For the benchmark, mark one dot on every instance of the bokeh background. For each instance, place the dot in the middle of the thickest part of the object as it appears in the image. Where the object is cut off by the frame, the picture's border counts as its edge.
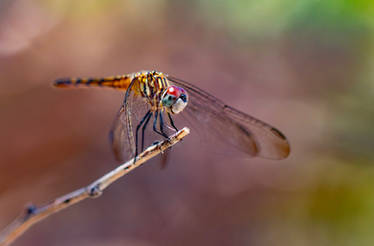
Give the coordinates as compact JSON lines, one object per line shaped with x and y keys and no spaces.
{"x":304,"y":66}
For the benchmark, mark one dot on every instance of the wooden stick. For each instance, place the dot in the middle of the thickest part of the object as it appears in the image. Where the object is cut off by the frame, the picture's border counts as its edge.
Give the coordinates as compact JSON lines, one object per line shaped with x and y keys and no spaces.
{"x":32,"y":214}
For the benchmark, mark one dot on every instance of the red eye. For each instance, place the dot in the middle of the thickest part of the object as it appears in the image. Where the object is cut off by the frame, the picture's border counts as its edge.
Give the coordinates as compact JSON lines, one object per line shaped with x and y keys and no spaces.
{"x":173,"y":91}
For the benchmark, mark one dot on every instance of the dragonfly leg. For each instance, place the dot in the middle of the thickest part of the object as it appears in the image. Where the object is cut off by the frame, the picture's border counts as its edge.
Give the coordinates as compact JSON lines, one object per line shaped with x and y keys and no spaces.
{"x":172,"y":122}
{"x":162,"y":126}
{"x":155,"y":126}
{"x":144,"y":127}
{"x":137,"y":131}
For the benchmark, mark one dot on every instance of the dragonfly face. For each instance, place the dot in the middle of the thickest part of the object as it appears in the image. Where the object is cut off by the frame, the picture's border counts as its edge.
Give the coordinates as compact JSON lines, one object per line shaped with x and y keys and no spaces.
{"x":175,"y":99}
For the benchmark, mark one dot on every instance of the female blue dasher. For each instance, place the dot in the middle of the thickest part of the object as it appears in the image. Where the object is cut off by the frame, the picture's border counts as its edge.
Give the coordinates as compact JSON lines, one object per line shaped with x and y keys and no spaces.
{"x":152,"y":94}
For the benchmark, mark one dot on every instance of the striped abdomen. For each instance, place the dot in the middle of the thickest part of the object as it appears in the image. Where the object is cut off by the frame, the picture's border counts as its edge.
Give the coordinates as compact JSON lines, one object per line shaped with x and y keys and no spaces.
{"x":118,"y":82}
{"x":149,"y":85}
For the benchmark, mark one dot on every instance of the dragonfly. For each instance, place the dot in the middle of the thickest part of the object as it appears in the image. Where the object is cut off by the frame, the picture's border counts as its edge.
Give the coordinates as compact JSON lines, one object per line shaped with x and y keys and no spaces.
{"x":158,"y":97}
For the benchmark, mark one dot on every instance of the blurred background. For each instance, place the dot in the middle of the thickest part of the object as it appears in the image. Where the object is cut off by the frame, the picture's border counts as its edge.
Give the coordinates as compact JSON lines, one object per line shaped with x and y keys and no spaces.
{"x":304,"y":66}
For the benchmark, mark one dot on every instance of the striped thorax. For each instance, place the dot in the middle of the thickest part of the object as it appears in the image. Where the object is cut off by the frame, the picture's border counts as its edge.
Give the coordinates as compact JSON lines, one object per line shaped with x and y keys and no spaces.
{"x":151,"y":85}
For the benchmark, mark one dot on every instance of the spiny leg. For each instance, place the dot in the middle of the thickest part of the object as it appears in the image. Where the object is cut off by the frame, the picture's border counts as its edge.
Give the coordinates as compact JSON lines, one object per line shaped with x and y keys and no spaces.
{"x":165,"y":155}
{"x":172,"y":122}
{"x":162,"y":126}
{"x":155,"y":125}
{"x":144,"y":127}
{"x":146,"y":116}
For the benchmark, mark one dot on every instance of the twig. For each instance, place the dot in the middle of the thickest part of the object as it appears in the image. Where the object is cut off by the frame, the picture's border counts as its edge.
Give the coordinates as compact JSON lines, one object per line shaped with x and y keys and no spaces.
{"x":33,"y":214}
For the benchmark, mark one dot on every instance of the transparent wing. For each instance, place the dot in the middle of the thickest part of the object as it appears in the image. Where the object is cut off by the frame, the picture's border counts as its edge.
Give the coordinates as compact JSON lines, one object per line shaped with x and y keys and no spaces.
{"x":122,"y":135}
{"x":248,"y":134}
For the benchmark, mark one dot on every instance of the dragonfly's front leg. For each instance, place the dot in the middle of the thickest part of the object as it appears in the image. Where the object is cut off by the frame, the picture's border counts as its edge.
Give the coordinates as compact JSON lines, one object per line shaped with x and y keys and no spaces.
{"x":172,"y":122}
{"x":165,"y":155}
{"x":162,"y":126}
{"x":161,"y":132}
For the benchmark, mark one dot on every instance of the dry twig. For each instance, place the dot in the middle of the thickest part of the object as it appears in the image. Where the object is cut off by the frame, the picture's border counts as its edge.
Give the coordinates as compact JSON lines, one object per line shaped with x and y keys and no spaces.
{"x":33,"y":214}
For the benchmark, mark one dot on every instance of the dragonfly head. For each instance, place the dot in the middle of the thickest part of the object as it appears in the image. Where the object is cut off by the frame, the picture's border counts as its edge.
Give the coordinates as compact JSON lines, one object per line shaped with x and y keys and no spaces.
{"x":174,"y":99}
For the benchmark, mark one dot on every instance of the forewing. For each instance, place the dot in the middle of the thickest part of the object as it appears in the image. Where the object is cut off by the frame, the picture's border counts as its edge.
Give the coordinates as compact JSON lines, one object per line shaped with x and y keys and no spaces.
{"x":122,"y":132}
{"x":246,"y":133}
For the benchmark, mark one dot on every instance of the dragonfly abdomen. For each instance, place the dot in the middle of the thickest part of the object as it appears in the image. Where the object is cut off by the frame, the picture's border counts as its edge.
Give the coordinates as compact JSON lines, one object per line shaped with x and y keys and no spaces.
{"x":118,"y":82}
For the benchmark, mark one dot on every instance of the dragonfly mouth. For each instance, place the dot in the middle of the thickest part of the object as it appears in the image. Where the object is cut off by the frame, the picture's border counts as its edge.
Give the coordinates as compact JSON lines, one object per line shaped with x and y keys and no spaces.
{"x":178,"y":106}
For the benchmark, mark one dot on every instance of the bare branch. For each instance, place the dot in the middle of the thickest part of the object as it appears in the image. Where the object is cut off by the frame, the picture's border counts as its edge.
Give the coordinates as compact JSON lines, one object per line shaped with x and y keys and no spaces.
{"x":32,"y":214}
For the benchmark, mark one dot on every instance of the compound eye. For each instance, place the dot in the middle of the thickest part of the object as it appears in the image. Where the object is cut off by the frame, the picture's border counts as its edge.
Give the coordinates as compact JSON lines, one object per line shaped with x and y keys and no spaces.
{"x":168,"y":100}
{"x":183,"y":97}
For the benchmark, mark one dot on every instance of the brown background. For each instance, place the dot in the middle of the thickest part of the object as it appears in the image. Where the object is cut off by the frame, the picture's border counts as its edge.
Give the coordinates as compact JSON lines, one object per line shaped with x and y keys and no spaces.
{"x":310,"y":79}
